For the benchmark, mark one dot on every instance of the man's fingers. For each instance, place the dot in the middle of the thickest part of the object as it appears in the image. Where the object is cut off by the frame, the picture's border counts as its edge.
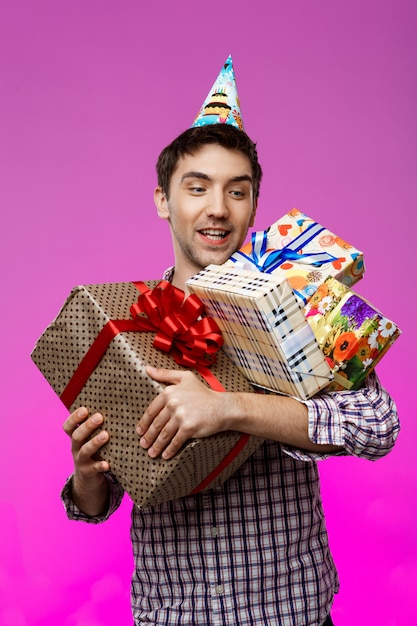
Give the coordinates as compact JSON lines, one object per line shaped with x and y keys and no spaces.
{"x":85,"y":454}
{"x":79,"y":426}
{"x":96,"y":467}
{"x":152,"y":416}
{"x":171,"y":450}
{"x":164,"y":436}
{"x":74,"y":420}
{"x":167,"y":443}
{"x":89,"y":448}
{"x":151,"y":427}
{"x":171,"y":377}
{"x":165,"y":425}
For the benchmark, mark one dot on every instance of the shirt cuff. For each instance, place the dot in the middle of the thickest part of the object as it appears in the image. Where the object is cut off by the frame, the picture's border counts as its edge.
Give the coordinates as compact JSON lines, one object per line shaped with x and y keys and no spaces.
{"x":73,"y":512}
{"x":363,"y":422}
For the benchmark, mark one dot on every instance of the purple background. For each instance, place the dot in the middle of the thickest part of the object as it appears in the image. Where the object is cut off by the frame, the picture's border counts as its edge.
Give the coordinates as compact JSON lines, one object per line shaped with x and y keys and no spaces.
{"x":91,"y":90}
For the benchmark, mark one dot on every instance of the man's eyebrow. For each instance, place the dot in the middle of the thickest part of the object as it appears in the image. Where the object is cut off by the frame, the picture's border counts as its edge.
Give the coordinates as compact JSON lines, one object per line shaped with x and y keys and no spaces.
{"x":243,"y":178}
{"x":202,"y":176}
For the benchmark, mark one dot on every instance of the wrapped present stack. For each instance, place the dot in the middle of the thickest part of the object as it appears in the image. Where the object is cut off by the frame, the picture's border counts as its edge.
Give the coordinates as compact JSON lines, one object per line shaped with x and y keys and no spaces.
{"x":94,"y":354}
{"x":254,"y":296}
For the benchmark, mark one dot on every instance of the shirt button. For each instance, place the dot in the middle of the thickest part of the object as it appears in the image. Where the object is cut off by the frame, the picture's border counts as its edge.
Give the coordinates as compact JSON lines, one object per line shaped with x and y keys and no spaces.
{"x":219,"y":590}
{"x":214,"y":531}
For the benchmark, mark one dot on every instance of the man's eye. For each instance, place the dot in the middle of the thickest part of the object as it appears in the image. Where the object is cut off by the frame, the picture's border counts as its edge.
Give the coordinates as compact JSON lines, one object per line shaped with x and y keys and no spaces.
{"x":237,"y":194}
{"x":197,"y":189}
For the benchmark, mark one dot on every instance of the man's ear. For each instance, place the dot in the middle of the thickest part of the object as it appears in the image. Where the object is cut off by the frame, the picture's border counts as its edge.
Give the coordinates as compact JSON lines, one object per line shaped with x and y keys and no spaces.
{"x":161,"y":203}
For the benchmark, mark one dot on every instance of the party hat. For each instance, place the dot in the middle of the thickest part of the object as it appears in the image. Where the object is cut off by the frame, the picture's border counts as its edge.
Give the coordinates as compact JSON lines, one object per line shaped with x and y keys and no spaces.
{"x":222,"y":104}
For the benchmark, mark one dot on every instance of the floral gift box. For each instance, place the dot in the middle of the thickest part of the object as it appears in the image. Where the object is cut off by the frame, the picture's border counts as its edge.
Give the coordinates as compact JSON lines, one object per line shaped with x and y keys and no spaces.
{"x":352,"y":334}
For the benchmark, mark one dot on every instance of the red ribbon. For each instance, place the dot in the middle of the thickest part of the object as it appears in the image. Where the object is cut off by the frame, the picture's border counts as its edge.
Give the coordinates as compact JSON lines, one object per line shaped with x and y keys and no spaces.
{"x":192,"y":340}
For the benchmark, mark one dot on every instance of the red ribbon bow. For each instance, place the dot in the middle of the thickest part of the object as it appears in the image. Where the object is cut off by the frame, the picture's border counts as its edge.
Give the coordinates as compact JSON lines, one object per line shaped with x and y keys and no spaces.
{"x":191,"y":339}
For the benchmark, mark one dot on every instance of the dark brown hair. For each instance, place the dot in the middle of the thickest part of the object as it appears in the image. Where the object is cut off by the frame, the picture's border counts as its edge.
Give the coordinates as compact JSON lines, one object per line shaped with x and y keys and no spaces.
{"x":192,"y":139}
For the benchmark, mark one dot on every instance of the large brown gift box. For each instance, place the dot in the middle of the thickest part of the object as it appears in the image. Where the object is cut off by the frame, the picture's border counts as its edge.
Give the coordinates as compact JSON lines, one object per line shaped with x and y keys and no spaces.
{"x":93,"y":354}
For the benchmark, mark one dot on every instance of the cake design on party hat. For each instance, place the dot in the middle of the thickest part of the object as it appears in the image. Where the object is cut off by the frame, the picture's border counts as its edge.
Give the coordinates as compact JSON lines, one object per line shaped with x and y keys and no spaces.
{"x":222,"y":104}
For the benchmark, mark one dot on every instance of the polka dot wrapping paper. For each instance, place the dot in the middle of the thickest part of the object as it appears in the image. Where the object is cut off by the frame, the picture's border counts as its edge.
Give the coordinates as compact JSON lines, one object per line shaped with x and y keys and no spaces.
{"x":119,"y":388}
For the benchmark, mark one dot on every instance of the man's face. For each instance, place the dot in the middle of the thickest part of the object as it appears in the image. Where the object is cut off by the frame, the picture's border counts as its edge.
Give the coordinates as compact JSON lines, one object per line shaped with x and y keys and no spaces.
{"x":210,"y":206}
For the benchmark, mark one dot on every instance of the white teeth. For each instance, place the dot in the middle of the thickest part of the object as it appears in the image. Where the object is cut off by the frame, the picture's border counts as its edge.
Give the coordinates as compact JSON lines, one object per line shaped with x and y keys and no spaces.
{"x":214,"y":234}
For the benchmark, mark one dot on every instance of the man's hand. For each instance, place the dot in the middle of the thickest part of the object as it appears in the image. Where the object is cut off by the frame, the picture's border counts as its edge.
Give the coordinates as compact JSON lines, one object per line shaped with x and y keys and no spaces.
{"x":185,"y":409}
{"x":188,"y":409}
{"x":90,"y":489}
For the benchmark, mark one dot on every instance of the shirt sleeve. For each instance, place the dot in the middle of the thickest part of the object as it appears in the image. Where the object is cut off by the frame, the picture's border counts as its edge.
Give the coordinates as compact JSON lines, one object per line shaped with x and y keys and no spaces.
{"x":364,"y":422}
{"x":73,"y":512}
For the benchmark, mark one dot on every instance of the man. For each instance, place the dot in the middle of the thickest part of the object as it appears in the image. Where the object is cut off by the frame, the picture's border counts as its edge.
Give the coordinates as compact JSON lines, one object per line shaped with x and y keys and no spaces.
{"x":254,"y":551}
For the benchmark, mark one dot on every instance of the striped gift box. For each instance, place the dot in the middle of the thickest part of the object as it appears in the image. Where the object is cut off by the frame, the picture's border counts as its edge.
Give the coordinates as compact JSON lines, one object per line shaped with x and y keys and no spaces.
{"x":264,"y":329}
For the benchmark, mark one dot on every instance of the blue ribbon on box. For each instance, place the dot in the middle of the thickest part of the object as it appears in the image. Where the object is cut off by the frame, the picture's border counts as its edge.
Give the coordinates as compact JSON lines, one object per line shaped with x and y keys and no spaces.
{"x":267,"y":262}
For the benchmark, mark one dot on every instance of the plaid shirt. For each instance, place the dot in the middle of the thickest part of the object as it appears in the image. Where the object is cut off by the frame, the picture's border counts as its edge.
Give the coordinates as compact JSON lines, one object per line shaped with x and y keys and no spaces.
{"x":254,"y":551}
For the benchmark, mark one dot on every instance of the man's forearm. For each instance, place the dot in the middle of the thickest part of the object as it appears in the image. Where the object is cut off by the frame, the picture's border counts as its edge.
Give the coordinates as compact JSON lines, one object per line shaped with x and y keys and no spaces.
{"x":274,"y":417}
{"x":92,"y":498}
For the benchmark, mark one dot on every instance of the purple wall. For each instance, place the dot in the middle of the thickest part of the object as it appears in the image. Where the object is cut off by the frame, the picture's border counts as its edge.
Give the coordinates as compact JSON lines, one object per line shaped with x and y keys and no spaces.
{"x":90,"y":92}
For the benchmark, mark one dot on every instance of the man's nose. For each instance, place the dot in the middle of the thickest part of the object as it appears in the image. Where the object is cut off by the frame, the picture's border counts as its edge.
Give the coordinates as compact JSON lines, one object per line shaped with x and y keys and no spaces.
{"x":217,"y":206}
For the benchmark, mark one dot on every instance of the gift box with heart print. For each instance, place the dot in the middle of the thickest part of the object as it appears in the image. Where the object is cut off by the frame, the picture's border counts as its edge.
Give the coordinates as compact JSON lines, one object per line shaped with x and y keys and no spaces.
{"x":299,"y":249}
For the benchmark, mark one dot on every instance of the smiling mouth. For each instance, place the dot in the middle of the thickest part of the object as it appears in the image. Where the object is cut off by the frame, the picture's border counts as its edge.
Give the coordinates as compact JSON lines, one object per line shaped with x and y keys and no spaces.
{"x":214,"y":234}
